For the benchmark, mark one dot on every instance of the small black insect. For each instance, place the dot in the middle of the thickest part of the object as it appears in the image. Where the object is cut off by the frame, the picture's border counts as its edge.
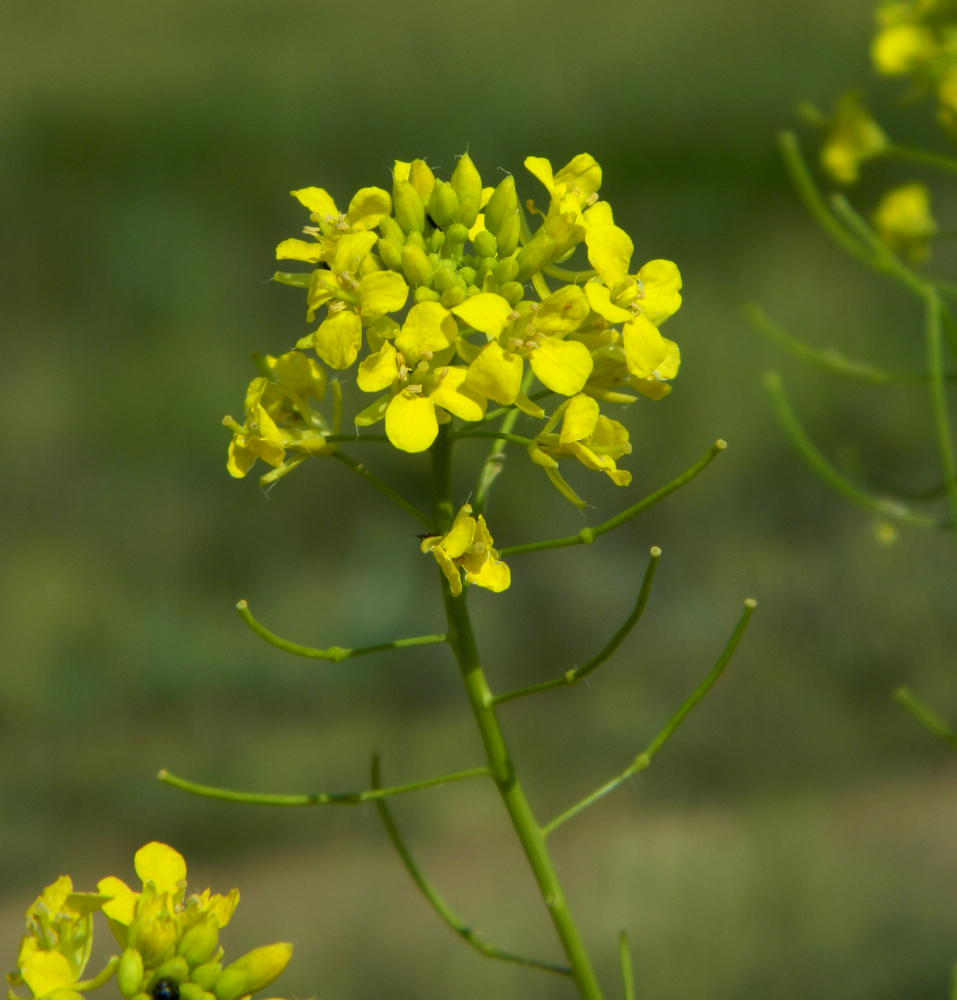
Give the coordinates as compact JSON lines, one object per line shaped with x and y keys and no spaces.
{"x":166,"y":989}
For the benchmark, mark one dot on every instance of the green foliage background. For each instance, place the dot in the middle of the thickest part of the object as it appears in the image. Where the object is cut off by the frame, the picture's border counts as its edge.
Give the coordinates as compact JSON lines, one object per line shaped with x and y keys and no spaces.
{"x":795,"y":839}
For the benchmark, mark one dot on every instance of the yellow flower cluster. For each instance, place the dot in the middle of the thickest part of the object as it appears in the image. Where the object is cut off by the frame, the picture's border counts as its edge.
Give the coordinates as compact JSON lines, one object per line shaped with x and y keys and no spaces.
{"x":459,"y":303}
{"x":170,"y":941}
{"x":468,"y":546}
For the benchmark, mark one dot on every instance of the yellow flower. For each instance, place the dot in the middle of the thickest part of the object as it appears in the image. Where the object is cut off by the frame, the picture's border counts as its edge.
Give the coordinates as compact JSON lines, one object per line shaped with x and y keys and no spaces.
{"x":586,"y":435}
{"x":903,"y":44}
{"x":468,"y":546}
{"x":904,"y":222}
{"x":853,"y":137}
{"x":423,"y":387}
{"x":573,"y":188}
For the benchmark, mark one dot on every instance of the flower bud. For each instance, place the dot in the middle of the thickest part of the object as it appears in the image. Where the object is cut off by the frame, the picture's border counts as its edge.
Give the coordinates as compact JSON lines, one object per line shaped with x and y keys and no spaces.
{"x":436,"y":241}
{"x":206,"y":975}
{"x":154,"y":938}
{"x":508,"y":235}
{"x":390,"y":252}
{"x":457,"y":233}
{"x":190,"y":991}
{"x":199,"y":942}
{"x":416,"y":239}
{"x":424,"y":294}
{"x":502,"y":205}
{"x":442,"y":279}
{"x":534,"y":256}
{"x":256,"y":969}
{"x":63,"y":993}
{"x":409,"y":210}
{"x":390,"y":228}
{"x":422,"y":179}
{"x":442,"y":203}
{"x":485,"y":244}
{"x":129,"y":972}
{"x":416,"y":265}
{"x":467,"y":274}
{"x":467,"y":184}
{"x":512,"y":291}
{"x":142,"y":996}
{"x":175,"y":969}
{"x":453,"y":296}
{"x":467,"y":212}
{"x":506,"y":270}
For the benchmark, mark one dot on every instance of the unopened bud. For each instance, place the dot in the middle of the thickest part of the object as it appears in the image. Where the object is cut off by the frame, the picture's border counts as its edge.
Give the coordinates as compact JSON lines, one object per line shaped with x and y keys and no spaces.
{"x":467,"y":184}
{"x":467,"y":274}
{"x":442,"y":203}
{"x":390,"y":228}
{"x":154,"y":938}
{"x":206,"y":975}
{"x":415,"y":265}
{"x":453,"y":296}
{"x":175,"y":969}
{"x":534,"y":256}
{"x":190,"y":991}
{"x":508,"y":235}
{"x":506,"y":270}
{"x":512,"y":291}
{"x":502,"y":205}
{"x":467,"y":212}
{"x":485,"y":244}
{"x":390,"y":252}
{"x":436,"y":240}
{"x":422,"y":179}
{"x":425,"y":294}
{"x":457,"y":233}
{"x":409,"y":210}
{"x":442,"y":279}
{"x":416,"y":239}
{"x":256,"y":969}
{"x":129,"y":972}
{"x":199,"y":942}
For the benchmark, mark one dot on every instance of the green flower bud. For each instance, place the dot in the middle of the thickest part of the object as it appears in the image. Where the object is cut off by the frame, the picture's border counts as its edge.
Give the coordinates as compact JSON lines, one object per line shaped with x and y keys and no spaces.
{"x":416,"y":266}
{"x":467,"y":274}
{"x":142,"y":996}
{"x":129,"y":973}
{"x":256,"y":969}
{"x":422,"y":179}
{"x":467,"y":184}
{"x":199,"y":942}
{"x":390,"y":252}
{"x":502,"y":205}
{"x":457,"y":233}
{"x":154,"y":938}
{"x":391,"y":229}
{"x":416,"y":239}
{"x":506,"y":270}
{"x":442,"y":279}
{"x":485,"y":244}
{"x":63,"y":993}
{"x":175,"y":969}
{"x":512,"y":291}
{"x":454,"y":295}
{"x":409,"y":210}
{"x":436,"y":240}
{"x":508,"y":235}
{"x":206,"y":975}
{"x":467,"y":212}
{"x":209,"y":996}
{"x":190,"y":991}
{"x":443,"y":203}
{"x":534,"y":256}
{"x":424,"y":294}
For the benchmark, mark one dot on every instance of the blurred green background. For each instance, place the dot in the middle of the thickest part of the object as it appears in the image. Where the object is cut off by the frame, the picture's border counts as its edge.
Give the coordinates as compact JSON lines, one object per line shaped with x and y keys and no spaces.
{"x":795,"y":839}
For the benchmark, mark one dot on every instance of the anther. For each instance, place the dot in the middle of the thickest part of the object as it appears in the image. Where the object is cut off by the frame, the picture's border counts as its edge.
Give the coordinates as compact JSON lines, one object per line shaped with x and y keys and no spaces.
{"x":414,"y":389}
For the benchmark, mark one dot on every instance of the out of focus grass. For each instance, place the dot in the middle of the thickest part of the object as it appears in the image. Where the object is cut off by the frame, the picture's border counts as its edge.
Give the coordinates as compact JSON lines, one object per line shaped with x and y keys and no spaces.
{"x":794,"y":839}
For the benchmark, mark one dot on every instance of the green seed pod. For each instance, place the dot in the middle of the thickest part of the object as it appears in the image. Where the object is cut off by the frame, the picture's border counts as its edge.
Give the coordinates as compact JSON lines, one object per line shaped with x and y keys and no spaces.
{"x":485,"y":244}
{"x":467,"y":274}
{"x":409,"y":210}
{"x":502,"y":205}
{"x":416,"y":266}
{"x":506,"y":270}
{"x":424,"y":294}
{"x":453,"y":296}
{"x":512,"y":291}
{"x":443,"y":203}
{"x":206,"y":975}
{"x":467,"y":184}
{"x":201,"y":940}
{"x":390,"y":228}
{"x":467,"y":212}
{"x":436,"y":241}
{"x":190,"y":991}
{"x":175,"y":969}
{"x":129,"y":973}
{"x":457,"y":233}
{"x":534,"y":256}
{"x":508,"y":235}
{"x":390,"y":252}
{"x":422,"y":179}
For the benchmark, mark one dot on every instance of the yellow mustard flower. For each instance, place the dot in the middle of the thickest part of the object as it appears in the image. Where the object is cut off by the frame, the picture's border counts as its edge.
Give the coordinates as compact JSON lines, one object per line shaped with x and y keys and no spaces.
{"x":468,"y":547}
{"x":904,"y":222}
{"x":853,"y":137}
{"x":571,"y":189}
{"x":423,"y":387}
{"x":595,"y":440}
{"x":903,"y":44}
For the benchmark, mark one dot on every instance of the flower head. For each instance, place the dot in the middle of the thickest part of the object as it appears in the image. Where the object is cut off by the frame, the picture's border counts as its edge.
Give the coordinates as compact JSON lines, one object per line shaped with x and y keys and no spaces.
{"x":853,"y":137}
{"x":468,"y":547}
{"x":903,"y":220}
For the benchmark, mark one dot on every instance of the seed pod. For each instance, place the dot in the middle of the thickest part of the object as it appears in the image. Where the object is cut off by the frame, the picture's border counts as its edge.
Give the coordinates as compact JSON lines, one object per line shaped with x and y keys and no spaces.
{"x":409,"y":210}
{"x":502,"y":205}
{"x":442,"y":203}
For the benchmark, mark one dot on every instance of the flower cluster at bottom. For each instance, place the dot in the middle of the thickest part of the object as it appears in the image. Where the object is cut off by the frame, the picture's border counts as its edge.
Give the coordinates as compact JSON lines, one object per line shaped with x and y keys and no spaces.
{"x":170,"y":941}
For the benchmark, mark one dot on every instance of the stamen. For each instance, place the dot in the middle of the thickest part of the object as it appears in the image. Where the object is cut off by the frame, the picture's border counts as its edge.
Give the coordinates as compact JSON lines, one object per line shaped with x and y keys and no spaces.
{"x":414,"y":389}
{"x":512,"y":316}
{"x":336,"y":305}
{"x":592,"y":198}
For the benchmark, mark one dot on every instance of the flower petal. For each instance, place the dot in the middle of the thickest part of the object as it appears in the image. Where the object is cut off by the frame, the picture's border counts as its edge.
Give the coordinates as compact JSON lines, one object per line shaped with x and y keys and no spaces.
{"x":318,"y":201}
{"x":609,"y":251}
{"x":645,"y":348}
{"x":486,"y":311}
{"x":160,"y":864}
{"x":428,"y":327}
{"x":599,"y":298}
{"x":123,"y":904}
{"x":661,"y":283}
{"x":299,"y":250}
{"x":382,"y":292}
{"x":581,"y":415}
{"x":452,"y":394}
{"x":338,"y":339}
{"x":496,"y":374}
{"x":378,"y":371}
{"x":369,"y":207}
{"x":561,"y":365}
{"x":563,"y":311}
{"x":410,"y":422}
{"x":45,"y":971}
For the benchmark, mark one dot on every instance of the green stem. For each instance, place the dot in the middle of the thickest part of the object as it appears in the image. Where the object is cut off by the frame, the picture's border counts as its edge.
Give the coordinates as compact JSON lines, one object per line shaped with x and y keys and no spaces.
{"x":932,"y":722}
{"x":587,"y":535}
{"x":383,"y":488}
{"x":565,"y":275}
{"x":938,"y":398}
{"x":101,"y":978}
{"x":921,"y":156}
{"x":819,"y":465}
{"x":572,"y":677}
{"x":644,"y":759}
{"x":355,"y":438}
{"x":439,"y":904}
{"x":462,"y":641}
{"x":495,"y":462}
{"x":491,"y":436}
{"x":322,"y":799}
{"x":334,"y":653}
{"x":624,"y":958}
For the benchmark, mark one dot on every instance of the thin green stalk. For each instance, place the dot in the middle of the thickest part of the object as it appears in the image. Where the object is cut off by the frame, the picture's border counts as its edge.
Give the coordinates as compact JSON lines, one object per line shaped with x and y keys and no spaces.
{"x":383,"y":488}
{"x":819,"y":465}
{"x":439,"y":904}
{"x":950,"y":325}
{"x":355,"y":438}
{"x":565,"y":275}
{"x":462,"y":641}
{"x":334,"y":653}
{"x":322,"y":799}
{"x":644,"y":759}
{"x":587,"y":535}
{"x":935,"y":160}
{"x":491,"y":436}
{"x":624,"y":958}
{"x":925,"y":716}
{"x":101,"y":978}
{"x":829,"y":359}
{"x":938,"y":399}
{"x":495,"y":462}
{"x":572,"y":677}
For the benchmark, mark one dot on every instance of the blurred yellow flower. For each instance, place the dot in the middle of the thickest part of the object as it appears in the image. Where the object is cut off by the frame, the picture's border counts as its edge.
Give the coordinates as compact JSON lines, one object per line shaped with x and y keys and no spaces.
{"x":468,"y":547}
{"x":903,"y":220}
{"x":853,"y":137}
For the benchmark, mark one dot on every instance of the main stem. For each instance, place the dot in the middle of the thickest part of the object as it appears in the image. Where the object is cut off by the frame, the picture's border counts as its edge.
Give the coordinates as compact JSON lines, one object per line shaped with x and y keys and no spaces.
{"x":462,"y":641}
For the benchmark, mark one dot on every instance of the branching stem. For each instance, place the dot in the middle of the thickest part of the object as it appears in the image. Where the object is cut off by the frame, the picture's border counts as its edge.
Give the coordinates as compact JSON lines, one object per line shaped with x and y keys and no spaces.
{"x":383,"y":488}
